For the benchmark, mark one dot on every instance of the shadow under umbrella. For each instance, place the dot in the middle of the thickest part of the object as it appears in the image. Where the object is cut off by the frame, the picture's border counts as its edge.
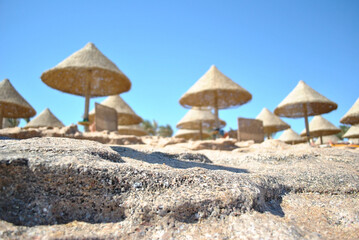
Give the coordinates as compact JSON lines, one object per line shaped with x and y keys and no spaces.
{"x":181,"y":161}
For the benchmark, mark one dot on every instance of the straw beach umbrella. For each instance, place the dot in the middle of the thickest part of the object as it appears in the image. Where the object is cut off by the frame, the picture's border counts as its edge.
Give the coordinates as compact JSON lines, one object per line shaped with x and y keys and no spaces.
{"x":216,"y":90}
{"x":126,"y":116}
{"x":291,"y":137}
{"x":45,"y":119}
{"x":271,"y":122}
{"x":352,"y":116}
{"x":304,"y":101}
{"x":12,"y":104}
{"x":87,"y":73}
{"x":328,"y":139}
{"x":199,"y":119}
{"x":135,"y":130}
{"x":319,"y":127}
{"x":190,"y":134}
{"x":353,"y":132}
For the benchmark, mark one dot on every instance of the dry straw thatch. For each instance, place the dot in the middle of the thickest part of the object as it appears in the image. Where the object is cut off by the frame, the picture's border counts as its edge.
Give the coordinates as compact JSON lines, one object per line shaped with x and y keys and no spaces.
{"x":135,"y":130}
{"x":328,"y":139}
{"x":353,"y":132}
{"x":12,"y":104}
{"x":45,"y":119}
{"x":291,"y":137}
{"x":320,"y":126}
{"x":304,"y":101}
{"x":271,"y":122}
{"x":216,"y":90}
{"x":87,"y":73}
{"x":197,"y":116}
{"x":126,"y":116}
{"x":87,"y":66}
{"x":352,"y":116}
{"x":190,"y":134}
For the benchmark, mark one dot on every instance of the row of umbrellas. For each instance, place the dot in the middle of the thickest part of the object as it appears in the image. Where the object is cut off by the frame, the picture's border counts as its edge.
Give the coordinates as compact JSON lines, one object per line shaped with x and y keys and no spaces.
{"x":324,"y":130}
{"x":215,"y":90}
{"x":319,"y":127}
{"x":198,"y":118}
{"x":128,"y":119}
{"x":89,"y":73}
{"x":194,"y":119}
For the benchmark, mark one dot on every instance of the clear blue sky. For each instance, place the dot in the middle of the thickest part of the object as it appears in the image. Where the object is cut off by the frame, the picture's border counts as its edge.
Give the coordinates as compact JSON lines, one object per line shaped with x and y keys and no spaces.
{"x":164,"y":47}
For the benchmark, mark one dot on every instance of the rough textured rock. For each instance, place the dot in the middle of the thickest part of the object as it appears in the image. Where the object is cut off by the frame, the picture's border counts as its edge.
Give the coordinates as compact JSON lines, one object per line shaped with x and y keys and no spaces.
{"x":271,"y":144}
{"x":107,"y":137}
{"x":124,"y":139}
{"x":18,"y":133}
{"x":22,"y":133}
{"x":218,"y":144}
{"x":162,"y":142}
{"x":60,"y":188}
{"x":244,"y":144}
{"x":68,"y":131}
{"x":71,"y":131}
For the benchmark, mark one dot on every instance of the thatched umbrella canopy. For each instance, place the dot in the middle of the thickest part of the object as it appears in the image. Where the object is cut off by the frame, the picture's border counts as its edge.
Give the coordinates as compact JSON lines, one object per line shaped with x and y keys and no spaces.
{"x":215,"y":90}
{"x":304,"y":101}
{"x":353,"y":132}
{"x":352,"y":116}
{"x":45,"y":119}
{"x":199,"y":119}
{"x":190,"y":134}
{"x":87,"y":73}
{"x":135,"y":130}
{"x":291,"y":137}
{"x":271,"y":122}
{"x":319,"y":127}
{"x":12,"y":104}
{"x":328,"y":139}
{"x":126,"y":116}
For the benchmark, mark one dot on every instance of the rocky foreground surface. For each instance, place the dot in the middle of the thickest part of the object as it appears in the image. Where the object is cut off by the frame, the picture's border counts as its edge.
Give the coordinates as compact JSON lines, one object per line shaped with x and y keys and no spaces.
{"x":62,"y":188}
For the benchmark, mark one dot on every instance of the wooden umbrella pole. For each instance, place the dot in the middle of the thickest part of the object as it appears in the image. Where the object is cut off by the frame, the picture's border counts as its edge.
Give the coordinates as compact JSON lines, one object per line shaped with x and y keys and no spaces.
{"x":1,"y":118}
{"x":306,"y":122}
{"x":200,"y":130}
{"x":321,"y":139}
{"x":216,"y":125}
{"x":216,"y":112}
{"x":87,"y":103}
{"x":217,"y":118}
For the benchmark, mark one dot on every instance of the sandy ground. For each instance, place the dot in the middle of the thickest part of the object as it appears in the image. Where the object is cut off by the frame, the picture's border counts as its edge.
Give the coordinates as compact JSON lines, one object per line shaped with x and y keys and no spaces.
{"x":90,"y":190}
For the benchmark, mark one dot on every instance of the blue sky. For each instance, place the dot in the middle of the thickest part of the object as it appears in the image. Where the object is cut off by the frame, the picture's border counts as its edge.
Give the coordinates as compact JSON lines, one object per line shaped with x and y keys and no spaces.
{"x":164,"y":47}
